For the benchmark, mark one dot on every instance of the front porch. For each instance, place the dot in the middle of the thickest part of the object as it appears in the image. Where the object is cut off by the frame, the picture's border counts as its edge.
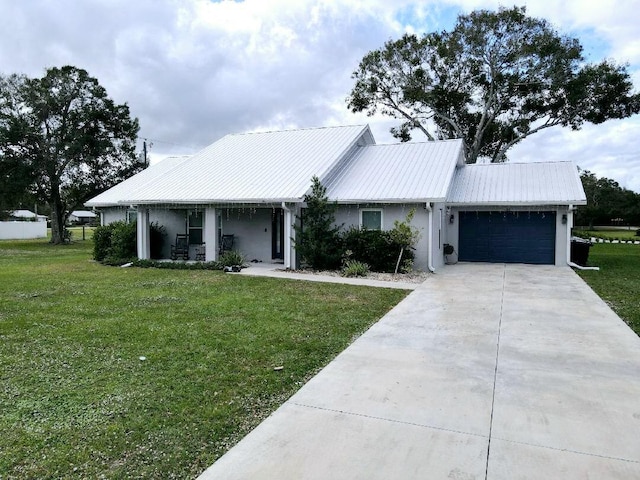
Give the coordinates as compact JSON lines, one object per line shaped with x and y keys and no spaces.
{"x":261,"y":233}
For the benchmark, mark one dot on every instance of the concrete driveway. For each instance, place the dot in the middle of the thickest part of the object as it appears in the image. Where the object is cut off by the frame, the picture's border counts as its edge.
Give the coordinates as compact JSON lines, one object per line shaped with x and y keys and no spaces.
{"x":483,"y":372}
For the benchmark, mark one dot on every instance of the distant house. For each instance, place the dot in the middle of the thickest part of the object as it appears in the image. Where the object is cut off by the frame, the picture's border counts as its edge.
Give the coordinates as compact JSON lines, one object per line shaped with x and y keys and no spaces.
{"x":252,"y":186}
{"x":26,"y":216}
{"x":82,"y":217}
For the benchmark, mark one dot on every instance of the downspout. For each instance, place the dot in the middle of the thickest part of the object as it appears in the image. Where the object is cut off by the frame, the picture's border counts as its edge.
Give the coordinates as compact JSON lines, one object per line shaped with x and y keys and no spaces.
{"x":287,"y":236}
{"x":429,"y":235}
{"x":569,"y":227}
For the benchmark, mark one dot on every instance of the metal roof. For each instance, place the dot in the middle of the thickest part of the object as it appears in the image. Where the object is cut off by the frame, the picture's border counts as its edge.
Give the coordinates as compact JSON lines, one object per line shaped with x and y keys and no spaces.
{"x":254,"y":167}
{"x":397,"y":173}
{"x":539,"y":183}
{"x":115,"y":195}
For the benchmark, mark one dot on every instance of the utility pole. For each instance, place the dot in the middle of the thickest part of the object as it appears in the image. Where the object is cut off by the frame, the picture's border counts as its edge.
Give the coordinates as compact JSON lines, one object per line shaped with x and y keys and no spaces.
{"x":144,"y":150}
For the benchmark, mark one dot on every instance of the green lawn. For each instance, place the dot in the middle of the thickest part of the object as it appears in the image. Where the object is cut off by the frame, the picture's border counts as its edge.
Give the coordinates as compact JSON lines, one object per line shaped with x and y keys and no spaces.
{"x":618,"y":280}
{"x":610,"y":233}
{"x":78,"y":401}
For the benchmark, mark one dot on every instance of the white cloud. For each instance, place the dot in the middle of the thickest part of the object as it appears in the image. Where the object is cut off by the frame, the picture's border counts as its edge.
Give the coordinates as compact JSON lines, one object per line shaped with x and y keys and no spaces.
{"x":194,"y":70}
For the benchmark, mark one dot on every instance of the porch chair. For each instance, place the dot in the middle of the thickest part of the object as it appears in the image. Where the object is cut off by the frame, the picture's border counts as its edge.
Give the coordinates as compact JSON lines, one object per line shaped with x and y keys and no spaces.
{"x":201,"y":253}
{"x":226,"y":244}
{"x":181,"y":247}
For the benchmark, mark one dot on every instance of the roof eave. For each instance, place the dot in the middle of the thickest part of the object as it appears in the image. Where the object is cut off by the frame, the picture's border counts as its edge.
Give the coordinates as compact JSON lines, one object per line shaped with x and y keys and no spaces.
{"x":549,"y":203}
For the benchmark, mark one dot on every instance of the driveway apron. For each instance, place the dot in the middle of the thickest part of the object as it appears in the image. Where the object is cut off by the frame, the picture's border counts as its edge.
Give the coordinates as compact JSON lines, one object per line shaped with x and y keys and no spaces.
{"x":485,"y":371}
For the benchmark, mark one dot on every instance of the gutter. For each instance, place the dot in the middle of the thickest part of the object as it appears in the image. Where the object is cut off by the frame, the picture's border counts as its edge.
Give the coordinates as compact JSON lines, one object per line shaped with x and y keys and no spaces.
{"x":429,"y":235}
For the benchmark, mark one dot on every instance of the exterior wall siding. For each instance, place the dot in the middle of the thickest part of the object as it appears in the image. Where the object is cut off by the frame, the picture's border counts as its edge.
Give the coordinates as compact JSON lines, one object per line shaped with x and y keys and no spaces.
{"x":349,"y":215}
{"x":251,"y":228}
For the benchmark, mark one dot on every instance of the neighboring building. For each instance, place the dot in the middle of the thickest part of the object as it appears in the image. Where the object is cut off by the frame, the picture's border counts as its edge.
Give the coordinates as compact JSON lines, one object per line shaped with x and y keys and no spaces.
{"x":27,"y":216}
{"x":252,"y":186}
{"x":82,"y":217}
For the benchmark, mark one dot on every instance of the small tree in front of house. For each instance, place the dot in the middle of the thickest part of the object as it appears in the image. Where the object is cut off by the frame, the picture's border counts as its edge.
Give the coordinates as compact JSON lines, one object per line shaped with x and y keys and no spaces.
{"x":318,"y":239}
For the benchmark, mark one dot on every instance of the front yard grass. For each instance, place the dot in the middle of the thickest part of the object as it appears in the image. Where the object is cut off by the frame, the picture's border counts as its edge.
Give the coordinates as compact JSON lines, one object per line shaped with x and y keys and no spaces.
{"x":618,"y":280}
{"x":146,"y":373}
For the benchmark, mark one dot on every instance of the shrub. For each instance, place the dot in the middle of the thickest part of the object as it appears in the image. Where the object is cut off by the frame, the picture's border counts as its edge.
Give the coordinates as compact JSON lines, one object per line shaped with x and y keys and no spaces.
{"x":354,"y":268}
{"x":378,"y":249}
{"x":638,"y":233}
{"x":231,"y":259}
{"x":123,"y":241}
{"x":318,"y":241}
{"x":101,"y":242}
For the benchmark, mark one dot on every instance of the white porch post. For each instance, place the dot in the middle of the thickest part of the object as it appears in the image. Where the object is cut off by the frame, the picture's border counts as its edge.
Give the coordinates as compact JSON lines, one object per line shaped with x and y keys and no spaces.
{"x":210,"y":235}
{"x":144,"y":246}
{"x":287,"y":236}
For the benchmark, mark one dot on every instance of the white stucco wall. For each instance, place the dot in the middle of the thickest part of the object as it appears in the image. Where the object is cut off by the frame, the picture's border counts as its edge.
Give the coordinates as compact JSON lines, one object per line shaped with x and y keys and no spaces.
{"x":22,"y":230}
{"x":251,"y":228}
{"x":349,"y":215}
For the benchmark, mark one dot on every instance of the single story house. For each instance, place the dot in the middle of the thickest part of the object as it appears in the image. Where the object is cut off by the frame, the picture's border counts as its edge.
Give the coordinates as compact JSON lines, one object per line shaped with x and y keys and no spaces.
{"x":82,"y":217}
{"x":252,"y":186}
{"x":26,"y":216}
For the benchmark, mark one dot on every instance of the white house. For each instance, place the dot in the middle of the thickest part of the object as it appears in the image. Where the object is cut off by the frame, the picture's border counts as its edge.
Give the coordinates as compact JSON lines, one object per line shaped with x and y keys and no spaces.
{"x":252,"y":186}
{"x":82,"y":216}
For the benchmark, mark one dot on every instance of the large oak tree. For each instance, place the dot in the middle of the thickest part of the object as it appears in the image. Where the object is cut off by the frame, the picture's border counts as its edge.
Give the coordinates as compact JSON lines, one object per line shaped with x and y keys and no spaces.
{"x":63,"y":139}
{"x":493,"y":80}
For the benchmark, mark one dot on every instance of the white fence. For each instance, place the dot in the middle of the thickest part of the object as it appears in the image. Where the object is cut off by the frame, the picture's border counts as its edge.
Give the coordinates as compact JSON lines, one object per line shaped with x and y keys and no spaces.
{"x":22,"y":230}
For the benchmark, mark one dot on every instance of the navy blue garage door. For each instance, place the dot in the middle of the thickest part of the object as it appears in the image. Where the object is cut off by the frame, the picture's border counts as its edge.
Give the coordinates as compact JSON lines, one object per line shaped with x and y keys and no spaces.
{"x":507,"y":237}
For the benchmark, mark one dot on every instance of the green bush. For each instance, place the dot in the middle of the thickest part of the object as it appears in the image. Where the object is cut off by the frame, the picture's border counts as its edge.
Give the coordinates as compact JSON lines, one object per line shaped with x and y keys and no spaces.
{"x":354,"y":268}
{"x":378,"y":249}
{"x":231,"y":259}
{"x":318,"y":240}
{"x":116,"y":243}
{"x":123,"y":241}
{"x":638,"y":233}
{"x":101,"y":242}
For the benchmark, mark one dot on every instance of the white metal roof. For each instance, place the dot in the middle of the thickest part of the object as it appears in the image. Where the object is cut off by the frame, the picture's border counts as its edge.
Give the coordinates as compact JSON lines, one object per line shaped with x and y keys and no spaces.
{"x":115,"y":195}
{"x":254,"y":167}
{"x":83,"y":214}
{"x":539,"y":183}
{"x":397,"y":173}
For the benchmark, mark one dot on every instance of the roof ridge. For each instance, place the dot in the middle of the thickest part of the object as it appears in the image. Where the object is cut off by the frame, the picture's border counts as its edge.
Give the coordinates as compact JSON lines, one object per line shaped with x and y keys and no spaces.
{"x":536,"y":162}
{"x":301,"y":129}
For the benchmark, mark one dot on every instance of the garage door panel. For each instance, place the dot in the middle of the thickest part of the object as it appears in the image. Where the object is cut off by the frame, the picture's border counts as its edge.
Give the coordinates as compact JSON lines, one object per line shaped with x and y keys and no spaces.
{"x":507,"y":237}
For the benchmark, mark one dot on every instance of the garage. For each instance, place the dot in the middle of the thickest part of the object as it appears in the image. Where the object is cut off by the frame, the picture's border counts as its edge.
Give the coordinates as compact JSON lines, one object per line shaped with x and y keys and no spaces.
{"x":507,"y":237}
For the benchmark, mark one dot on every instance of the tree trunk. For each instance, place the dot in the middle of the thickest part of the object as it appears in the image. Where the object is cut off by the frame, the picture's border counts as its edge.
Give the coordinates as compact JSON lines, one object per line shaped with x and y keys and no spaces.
{"x":57,"y":215}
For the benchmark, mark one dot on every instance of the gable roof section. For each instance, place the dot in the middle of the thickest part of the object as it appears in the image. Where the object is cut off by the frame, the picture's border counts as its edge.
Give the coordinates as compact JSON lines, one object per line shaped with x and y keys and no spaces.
{"x":397,"y":173}
{"x":254,"y":167}
{"x":119,"y":192}
{"x":539,"y":183}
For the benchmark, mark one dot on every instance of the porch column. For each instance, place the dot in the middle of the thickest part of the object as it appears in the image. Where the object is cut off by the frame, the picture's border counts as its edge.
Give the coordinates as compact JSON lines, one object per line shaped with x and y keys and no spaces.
{"x":210,"y":235}
{"x":287,"y":237}
{"x":144,"y":246}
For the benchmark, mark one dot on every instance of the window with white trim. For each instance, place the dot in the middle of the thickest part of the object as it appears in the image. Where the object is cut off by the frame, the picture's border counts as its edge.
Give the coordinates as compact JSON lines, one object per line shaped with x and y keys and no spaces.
{"x":371,"y":218}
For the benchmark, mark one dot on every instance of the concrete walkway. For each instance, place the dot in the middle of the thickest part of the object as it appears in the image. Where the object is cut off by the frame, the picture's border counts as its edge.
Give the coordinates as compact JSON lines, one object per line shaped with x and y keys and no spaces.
{"x":483,"y":372}
{"x":277,"y":271}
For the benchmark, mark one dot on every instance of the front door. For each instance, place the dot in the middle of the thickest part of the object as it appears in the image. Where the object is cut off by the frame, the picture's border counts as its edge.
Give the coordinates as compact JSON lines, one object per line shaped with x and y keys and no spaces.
{"x":277,"y":234}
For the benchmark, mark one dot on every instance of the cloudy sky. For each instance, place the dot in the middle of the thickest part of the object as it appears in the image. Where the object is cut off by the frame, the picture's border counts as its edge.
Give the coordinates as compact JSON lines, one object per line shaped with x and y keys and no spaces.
{"x":195,"y":70}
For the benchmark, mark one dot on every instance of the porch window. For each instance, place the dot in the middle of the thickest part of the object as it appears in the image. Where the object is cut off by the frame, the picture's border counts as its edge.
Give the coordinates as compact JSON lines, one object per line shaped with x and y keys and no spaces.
{"x":371,"y":219}
{"x":195,"y":228}
{"x":132,"y":215}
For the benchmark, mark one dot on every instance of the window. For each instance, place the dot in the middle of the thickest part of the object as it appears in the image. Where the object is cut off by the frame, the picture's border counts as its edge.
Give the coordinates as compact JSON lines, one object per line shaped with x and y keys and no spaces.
{"x":132,"y":215}
{"x":371,"y":219}
{"x":195,"y":228}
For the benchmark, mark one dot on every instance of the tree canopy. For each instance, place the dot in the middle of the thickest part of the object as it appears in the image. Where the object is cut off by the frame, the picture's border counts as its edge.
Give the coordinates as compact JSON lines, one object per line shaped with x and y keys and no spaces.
{"x":607,"y":202}
{"x":493,"y":80}
{"x":63,"y":140}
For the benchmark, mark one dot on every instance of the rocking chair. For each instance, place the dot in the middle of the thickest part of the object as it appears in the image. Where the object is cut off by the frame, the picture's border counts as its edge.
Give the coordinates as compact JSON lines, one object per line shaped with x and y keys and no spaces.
{"x":226,"y":244}
{"x":181,"y":247}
